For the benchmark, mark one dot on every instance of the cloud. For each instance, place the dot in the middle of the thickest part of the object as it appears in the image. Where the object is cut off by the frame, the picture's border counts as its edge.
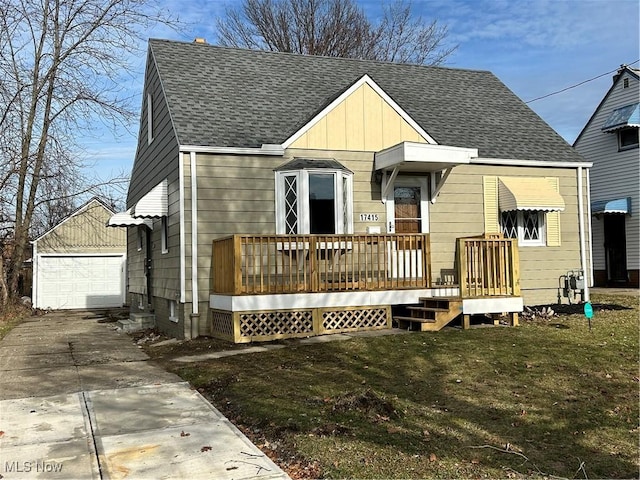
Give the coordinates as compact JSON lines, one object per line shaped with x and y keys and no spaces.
{"x":539,"y":23}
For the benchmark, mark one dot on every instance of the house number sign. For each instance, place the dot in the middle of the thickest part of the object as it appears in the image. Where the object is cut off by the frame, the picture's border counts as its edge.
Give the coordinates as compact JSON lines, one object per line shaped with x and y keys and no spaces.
{"x":369,"y":217}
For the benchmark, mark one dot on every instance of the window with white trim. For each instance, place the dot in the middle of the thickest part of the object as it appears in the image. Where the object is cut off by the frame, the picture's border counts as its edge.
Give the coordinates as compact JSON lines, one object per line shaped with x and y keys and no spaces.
{"x":525,"y":225}
{"x":149,"y":118}
{"x":173,"y":310}
{"x":628,"y":138}
{"x":317,"y":201}
{"x":164,"y":235}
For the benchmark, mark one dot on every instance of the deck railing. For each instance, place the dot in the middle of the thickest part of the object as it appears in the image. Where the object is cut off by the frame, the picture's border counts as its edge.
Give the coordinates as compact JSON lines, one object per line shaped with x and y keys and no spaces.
{"x":488,"y":266}
{"x":266,"y":264}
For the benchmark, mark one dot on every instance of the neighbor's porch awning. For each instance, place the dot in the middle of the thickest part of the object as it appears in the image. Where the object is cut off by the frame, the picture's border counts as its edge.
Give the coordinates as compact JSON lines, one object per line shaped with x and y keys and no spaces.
{"x":124,"y":219}
{"x":154,"y":204}
{"x":619,"y":205}
{"x":627,"y":116}
{"x":528,"y":193}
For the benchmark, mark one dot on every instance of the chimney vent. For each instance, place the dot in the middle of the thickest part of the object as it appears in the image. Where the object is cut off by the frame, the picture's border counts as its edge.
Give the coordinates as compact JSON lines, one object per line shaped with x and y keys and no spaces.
{"x":200,"y":40}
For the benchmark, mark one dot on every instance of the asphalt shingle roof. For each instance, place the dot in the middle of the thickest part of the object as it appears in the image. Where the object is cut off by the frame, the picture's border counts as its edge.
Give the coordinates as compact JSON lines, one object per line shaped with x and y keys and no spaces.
{"x":227,"y":97}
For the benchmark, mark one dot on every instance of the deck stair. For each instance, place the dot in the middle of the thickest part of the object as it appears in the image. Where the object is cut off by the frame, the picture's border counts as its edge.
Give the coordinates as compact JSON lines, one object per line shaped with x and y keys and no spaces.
{"x":431,"y":315}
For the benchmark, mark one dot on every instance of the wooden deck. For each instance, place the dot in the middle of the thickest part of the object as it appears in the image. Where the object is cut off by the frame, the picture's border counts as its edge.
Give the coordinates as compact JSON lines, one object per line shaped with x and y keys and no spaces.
{"x":326,"y":274}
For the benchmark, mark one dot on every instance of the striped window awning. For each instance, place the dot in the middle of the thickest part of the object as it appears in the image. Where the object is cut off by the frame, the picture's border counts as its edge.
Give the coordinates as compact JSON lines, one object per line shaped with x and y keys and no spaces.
{"x":619,"y":205}
{"x":627,"y":116}
{"x":154,"y":204}
{"x":528,"y":193}
{"x":124,"y":219}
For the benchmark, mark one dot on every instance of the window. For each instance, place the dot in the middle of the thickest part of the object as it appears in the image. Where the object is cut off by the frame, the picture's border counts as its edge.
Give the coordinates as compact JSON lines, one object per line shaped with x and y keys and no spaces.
{"x":164,"y":235}
{"x":149,"y":119}
{"x":172,"y":307}
{"x":314,"y":201}
{"x":628,"y":138}
{"x":525,"y":225}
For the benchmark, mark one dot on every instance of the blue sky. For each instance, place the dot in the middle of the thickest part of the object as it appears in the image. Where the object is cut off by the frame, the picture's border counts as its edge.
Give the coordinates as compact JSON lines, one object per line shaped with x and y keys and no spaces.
{"x":535,"y":47}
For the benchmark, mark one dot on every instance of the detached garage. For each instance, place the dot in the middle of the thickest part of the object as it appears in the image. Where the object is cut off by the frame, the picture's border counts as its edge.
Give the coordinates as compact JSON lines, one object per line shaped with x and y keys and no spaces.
{"x":80,"y":263}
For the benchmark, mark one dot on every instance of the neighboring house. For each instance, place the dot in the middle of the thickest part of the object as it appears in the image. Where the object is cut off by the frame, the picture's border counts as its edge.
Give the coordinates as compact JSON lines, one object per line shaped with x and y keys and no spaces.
{"x":294,"y":195}
{"x":81,"y":263}
{"x":610,"y":141}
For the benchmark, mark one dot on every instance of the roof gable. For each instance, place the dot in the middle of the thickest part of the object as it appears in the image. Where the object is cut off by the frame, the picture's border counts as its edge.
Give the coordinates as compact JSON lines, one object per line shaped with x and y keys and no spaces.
{"x":86,"y":227}
{"x":624,"y":73}
{"x":227,"y":97}
{"x":363,"y":118}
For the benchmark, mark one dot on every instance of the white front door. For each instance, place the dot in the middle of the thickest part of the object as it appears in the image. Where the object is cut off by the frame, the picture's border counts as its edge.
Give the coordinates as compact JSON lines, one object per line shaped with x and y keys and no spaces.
{"x":408,"y":206}
{"x":407,"y":213}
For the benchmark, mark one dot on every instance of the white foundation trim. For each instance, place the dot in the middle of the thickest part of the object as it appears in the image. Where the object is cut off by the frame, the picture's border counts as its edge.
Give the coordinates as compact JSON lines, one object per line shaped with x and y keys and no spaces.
{"x":289,"y":301}
{"x":472,"y":306}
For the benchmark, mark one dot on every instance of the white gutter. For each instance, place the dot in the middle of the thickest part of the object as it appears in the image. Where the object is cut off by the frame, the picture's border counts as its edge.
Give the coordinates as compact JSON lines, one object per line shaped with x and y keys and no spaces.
{"x":528,"y":163}
{"x":194,"y":248}
{"x":583,"y":253}
{"x":266,"y":149}
{"x":591,"y":281}
{"x":34,"y":275}
{"x":183,"y":253}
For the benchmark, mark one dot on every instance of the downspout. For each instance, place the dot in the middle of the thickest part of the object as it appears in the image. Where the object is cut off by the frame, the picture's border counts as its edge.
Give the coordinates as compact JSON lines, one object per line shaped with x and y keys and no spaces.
{"x":195,"y":315}
{"x":583,"y":250}
{"x":34,"y":276}
{"x":182,"y":157}
{"x":183,"y":254}
{"x":591,"y":280}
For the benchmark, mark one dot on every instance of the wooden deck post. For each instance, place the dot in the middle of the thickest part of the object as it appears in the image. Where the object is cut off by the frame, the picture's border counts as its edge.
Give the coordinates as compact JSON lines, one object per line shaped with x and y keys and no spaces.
{"x":515,"y":267}
{"x":463,"y":274}
{"x":313,"y":265}
{"x":236,"y":267}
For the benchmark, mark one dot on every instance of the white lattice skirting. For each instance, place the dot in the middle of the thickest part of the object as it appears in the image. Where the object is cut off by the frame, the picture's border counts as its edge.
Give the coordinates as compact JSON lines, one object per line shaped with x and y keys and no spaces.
{"x":241,"y":327}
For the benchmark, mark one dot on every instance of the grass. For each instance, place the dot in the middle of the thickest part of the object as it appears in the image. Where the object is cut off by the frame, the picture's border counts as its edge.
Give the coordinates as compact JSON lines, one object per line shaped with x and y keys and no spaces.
{"x":549,"y":398}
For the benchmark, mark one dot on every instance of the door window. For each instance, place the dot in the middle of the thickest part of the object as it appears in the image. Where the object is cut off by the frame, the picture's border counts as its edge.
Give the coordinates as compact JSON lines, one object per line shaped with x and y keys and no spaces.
{"x":408,"y":217}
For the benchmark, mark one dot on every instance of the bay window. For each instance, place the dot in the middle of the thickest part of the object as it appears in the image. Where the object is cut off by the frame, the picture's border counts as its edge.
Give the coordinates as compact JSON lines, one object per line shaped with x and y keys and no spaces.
{"x":313,"y":196}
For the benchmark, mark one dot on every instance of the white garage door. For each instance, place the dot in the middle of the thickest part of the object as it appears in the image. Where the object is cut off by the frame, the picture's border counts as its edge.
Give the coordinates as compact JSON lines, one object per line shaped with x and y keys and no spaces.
{"x":80,"y":281}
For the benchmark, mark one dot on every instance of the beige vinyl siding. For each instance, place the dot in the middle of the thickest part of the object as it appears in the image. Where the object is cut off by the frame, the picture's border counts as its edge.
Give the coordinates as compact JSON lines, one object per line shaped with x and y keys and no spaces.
{"x":166,"y":266}
{"x":363,"y":121}
{"x":155,"y":162}
{"x":159,"y":159}
{"x":85,"y":232}
{"x":136,"y":282}
{"x":458,"y":211}
{"x":614,"y":174}
{"x":236,"y":195}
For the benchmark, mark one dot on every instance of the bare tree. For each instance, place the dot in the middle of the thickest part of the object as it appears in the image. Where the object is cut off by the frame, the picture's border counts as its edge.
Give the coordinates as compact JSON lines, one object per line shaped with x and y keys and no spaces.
{"x":400,"y":37}
{"x":335,"y":28}
{"x":63,"y":65}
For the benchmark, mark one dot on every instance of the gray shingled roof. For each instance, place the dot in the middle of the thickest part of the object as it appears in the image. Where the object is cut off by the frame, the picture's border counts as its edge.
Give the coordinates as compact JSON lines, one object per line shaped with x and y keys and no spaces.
{"x":228,"y":97}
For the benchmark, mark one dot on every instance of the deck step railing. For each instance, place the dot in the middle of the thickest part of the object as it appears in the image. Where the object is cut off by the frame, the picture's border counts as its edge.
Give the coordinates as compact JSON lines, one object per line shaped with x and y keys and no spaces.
{"x":267,"y":264}
{"x":488,"y":266}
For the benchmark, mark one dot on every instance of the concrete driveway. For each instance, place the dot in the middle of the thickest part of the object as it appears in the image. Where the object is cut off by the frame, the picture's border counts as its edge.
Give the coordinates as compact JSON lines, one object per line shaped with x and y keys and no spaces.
{"x":80,"y":401}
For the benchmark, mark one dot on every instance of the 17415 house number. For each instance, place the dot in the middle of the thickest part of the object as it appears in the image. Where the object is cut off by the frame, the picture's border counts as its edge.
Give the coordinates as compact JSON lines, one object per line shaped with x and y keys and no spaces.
{"x":369,"y":217}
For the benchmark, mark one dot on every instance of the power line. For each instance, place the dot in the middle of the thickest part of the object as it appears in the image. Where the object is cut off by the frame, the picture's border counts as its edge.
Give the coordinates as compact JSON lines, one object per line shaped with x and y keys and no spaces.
{"x":578,"y":84}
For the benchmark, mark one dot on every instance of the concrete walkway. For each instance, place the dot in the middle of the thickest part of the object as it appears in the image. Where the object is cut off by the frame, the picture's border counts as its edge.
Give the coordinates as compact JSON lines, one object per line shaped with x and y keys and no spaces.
{"x":80,"y":401}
